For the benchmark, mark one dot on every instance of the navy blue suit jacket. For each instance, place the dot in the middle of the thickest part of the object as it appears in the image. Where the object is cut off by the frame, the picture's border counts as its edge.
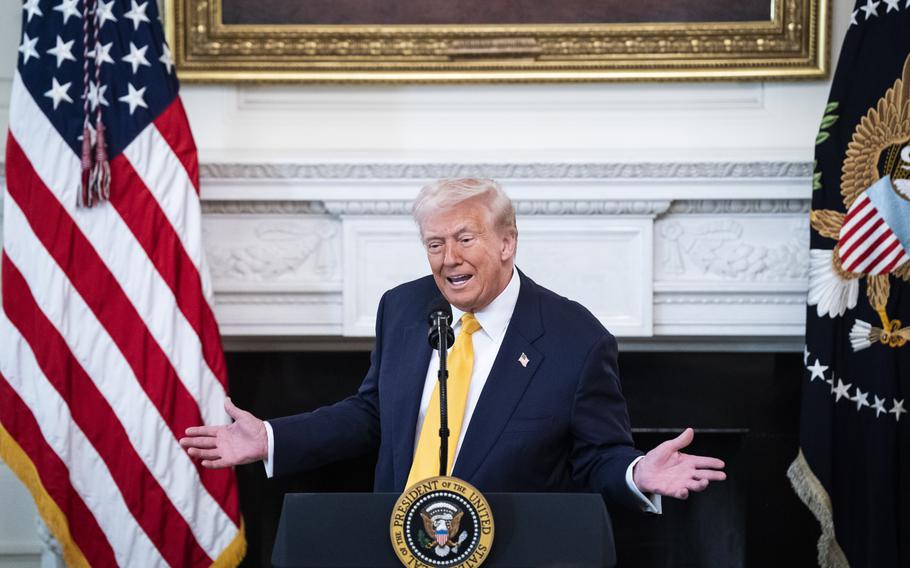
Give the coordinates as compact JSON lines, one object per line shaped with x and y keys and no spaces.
{"x":559,"y":424}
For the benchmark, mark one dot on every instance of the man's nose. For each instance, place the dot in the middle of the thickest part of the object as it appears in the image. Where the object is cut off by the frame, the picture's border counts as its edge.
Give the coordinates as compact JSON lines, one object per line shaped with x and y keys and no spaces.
{"x":451,"y":257}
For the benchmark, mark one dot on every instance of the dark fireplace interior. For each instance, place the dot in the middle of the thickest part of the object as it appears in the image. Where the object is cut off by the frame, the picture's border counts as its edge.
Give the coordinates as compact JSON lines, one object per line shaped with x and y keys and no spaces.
{"x":744,"y":407}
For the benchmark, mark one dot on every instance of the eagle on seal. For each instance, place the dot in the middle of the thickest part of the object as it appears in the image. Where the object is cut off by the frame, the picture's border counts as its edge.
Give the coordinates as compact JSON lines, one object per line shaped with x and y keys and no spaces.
{"x":873,"y":236}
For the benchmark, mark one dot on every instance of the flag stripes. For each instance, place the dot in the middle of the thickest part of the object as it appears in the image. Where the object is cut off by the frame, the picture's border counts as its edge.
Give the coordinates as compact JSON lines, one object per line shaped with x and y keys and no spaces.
{"x":143,"y":496}
{"x":86,"y":471}
{"x":45,"y":475}
{"x":867,"y":244}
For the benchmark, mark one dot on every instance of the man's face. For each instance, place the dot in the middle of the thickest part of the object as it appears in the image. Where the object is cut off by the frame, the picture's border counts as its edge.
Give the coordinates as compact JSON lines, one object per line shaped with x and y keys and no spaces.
{"x":470,"y":258}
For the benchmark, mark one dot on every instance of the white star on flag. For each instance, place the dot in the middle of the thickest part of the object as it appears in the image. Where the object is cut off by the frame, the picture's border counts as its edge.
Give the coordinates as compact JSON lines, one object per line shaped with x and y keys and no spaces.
{"x":136,"y":57}
{"x":892,"y":5}
{"x":105,"y":13}
{"x":63,"y":51}
{"x":897,"y":409}
{"x":841,"y":390}
{"x":136,"y":14}
{"x":861,"y":399}
{"x":103,"y":55}
{"x":166,"y":57}
{"x":58,"y":92}
{"x":32,"y":8}
{"x":27,"y":48}
{"x":853,"y":21}
{"x":879,"y":406}
{"x":68,"y":8}
{"x":805,"y":354}
{"x":96,"y":95}
{"x":134,"y":98}
{"x":871,"y":8}
{"x":817,"y":370}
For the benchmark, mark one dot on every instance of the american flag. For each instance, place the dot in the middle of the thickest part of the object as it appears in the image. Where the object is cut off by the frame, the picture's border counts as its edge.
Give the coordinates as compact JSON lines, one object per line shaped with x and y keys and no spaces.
{"x":110,"y":349}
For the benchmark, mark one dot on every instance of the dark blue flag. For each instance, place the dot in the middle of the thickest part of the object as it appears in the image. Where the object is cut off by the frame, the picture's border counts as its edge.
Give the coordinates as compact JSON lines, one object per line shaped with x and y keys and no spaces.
{"x":853,"y":469}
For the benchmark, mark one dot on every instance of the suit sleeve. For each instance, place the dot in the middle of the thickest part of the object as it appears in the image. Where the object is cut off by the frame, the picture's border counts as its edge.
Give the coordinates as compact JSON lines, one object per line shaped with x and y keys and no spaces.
{"x":602,"y":447}
{"x":344,"y":430}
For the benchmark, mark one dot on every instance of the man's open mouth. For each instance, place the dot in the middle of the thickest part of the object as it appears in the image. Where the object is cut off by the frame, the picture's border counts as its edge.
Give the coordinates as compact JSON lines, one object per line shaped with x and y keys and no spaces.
{"x":459,"y":279}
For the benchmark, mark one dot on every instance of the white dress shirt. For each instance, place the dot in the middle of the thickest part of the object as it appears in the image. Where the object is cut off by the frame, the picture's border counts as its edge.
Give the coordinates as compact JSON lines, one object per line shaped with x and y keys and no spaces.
{"x":494,"y":320}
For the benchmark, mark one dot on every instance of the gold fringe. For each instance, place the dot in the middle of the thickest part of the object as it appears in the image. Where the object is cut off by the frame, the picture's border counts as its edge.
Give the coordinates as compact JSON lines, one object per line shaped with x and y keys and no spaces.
{"x":813,"y":495}
{"x":827,"y":222}
{"x":234,"y":553}
{"x":18,"y":461}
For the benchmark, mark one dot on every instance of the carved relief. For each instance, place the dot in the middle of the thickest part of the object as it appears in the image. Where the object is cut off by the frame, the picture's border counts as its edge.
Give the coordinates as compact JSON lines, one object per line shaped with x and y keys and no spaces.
{"x":274,"y":250}
{"x":721,"y":249}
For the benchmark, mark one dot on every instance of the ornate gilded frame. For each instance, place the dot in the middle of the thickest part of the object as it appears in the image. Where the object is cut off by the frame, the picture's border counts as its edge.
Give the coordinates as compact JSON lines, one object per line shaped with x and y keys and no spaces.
{"x":792,"y":44}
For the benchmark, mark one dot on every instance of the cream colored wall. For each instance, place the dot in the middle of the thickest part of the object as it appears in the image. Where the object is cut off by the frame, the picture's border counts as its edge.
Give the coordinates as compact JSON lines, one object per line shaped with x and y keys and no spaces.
{"x":671,"y":122}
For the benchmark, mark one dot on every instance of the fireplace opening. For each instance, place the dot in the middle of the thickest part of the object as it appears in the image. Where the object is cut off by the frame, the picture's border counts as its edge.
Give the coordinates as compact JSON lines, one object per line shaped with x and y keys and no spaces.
{"x":743,"y":405}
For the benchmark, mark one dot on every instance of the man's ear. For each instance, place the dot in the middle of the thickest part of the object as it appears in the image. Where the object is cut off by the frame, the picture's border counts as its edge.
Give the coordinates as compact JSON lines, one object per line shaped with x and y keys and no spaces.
{"x":509,"y":244}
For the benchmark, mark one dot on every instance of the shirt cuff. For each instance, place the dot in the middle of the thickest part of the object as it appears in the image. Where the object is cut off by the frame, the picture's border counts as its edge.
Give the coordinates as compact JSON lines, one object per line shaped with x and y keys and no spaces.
{"x":270,"y":464}
{"x":649,"y":503}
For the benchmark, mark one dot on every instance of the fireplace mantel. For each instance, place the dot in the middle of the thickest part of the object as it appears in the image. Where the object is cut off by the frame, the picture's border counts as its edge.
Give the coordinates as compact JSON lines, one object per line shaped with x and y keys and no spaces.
{"x":707,"y":250}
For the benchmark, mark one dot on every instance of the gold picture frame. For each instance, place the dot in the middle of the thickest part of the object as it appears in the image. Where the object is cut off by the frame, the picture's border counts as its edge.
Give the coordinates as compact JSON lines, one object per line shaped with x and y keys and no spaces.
{"x":792,"y":44}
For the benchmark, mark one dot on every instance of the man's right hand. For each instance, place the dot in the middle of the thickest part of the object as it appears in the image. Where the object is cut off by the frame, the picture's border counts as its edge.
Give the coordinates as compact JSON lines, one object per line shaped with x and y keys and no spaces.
{"x":242,"y":442}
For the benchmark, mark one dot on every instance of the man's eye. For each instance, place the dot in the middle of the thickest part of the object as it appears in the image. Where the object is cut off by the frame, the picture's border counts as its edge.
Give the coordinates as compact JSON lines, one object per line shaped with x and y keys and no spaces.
{"x":466,"y":240}
{"x":434,"y":247}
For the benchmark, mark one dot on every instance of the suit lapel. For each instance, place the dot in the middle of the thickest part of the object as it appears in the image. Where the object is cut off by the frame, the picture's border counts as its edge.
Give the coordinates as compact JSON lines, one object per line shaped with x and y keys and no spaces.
{"x":413,"y":357}
{"x":506,"y":383}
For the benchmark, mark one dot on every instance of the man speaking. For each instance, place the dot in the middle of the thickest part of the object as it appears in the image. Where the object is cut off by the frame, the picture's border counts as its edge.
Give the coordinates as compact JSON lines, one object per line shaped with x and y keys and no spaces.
{"x":533,"y":392}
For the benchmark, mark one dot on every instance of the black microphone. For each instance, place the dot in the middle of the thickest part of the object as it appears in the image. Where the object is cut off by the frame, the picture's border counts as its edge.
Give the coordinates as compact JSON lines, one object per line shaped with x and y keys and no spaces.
{"x":440,"y":319}
{"x":441,"y":336}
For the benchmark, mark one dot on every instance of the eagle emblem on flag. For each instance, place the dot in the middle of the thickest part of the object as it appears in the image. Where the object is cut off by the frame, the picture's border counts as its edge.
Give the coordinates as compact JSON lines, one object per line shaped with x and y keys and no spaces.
{"x":873,"y":236}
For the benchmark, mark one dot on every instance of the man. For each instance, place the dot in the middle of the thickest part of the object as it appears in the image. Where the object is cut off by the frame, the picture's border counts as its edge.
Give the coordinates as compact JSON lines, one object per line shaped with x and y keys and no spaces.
{"x":539,"y":406}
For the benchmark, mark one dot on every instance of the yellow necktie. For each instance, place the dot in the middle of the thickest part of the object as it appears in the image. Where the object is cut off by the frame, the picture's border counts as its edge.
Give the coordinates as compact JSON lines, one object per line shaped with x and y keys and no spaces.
{"x":461,"y":363}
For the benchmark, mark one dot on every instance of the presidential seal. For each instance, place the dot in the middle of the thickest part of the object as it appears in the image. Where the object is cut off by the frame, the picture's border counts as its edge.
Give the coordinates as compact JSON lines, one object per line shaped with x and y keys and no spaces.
{"x":442,"y":522}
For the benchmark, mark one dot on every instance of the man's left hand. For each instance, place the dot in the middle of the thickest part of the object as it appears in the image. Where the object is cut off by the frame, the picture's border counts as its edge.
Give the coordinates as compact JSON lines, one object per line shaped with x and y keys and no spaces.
{"x":665,"y":470}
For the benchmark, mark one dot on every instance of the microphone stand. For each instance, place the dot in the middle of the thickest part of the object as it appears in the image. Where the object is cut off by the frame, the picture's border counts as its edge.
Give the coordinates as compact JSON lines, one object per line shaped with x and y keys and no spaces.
{"x":442,"y":329}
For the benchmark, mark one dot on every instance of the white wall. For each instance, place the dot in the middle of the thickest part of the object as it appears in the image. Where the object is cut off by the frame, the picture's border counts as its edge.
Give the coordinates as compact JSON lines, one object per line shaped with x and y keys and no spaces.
{"x":667,"y":122}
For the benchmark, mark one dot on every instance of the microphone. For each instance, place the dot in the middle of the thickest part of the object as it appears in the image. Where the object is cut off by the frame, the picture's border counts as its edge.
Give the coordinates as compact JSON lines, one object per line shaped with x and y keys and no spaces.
{"x":440,"y":320}
{"x":441,"y":336}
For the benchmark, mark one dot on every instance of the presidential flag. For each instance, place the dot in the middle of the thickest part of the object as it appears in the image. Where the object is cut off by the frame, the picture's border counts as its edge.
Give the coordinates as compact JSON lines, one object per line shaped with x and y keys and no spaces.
{"x":853,"y":468}
{"x":109,"y":345}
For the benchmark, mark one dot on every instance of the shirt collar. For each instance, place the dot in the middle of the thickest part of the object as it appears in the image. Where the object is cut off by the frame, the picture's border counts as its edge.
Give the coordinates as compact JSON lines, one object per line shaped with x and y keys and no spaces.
{"x":494,"y":319}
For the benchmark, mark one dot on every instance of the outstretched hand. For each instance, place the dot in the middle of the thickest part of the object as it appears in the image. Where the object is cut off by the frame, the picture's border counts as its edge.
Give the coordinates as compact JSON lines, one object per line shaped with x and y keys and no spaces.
{"x":241,"y":442}
{"x":665,"y":470}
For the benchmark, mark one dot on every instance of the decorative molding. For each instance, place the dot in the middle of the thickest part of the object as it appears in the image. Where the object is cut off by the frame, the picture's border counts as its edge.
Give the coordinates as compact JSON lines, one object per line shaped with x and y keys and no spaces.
{"x":746,"y":206}
{"x":658,"y":170}
{"x":277,"y":299}
{"x":263,"y":208}
{"x":714,"y":299}
{"x":522,"y":207}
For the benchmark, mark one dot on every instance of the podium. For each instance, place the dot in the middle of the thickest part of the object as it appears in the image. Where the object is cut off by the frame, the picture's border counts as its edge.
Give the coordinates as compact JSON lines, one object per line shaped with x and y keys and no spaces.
{"x":351,"y":530}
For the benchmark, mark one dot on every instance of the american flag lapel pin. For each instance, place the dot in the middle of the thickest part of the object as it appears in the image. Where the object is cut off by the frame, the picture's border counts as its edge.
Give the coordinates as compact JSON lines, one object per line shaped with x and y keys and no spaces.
{"x":523,"y":360}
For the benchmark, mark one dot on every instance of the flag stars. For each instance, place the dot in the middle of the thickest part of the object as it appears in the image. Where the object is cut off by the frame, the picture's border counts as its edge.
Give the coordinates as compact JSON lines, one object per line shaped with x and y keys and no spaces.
{"x":853,"y":21}
{"x":892,"y":5}
{"x":63,"y":51}
{"x":897,"y":409}
{"x":842,"y":390}
{"x":817,"y":370}
{"x":58,"y":92}
{"x":136,"y":57}
{"x":879,"y":406}
{"x":805,"y":354}
{"x":137,"y":14}
{"x":871,"y":8}
{"x":32,"y":9}
{"x":102,"y":55}
{"x":27,"y":48}
{"x":166,"y":57}
{"x":861,"y":399}
{"x":134,"y":98}
{"x":96,"y":95}
{"x":105,"y":13}
{"x":68,"y":8}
